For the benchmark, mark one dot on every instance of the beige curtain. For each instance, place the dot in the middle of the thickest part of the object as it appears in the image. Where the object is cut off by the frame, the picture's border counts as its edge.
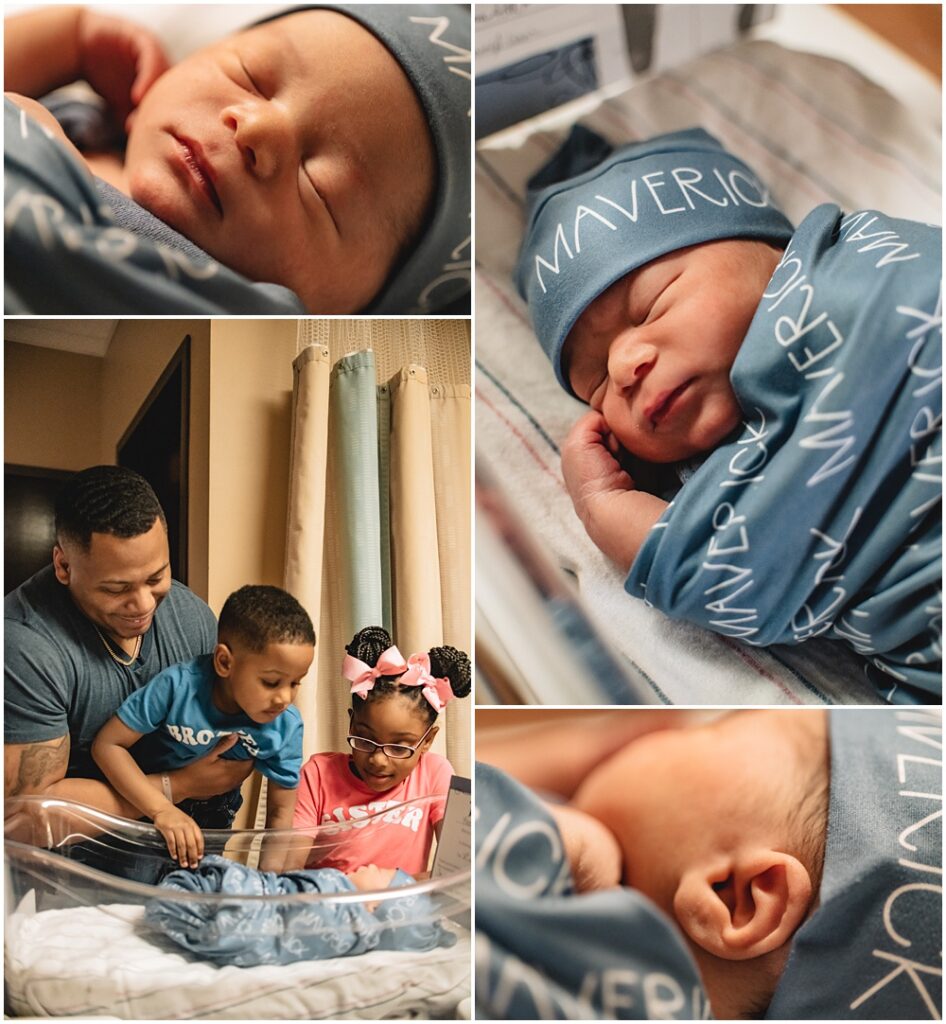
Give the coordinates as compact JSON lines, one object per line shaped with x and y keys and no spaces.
{"x":406,"y":385}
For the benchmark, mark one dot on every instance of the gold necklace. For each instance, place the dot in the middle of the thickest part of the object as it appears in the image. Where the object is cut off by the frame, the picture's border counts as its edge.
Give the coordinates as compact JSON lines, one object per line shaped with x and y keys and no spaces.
{"x":113,"y":655}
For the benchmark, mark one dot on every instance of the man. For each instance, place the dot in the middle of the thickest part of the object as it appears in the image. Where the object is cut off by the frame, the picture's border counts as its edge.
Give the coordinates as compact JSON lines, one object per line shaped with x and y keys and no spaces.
{"x":88,"y":630}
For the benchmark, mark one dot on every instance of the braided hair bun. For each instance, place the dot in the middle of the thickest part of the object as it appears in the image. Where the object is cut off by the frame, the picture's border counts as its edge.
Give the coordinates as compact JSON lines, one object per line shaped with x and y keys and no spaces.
{"x":369,"y":644}
{"x":455,"y":665}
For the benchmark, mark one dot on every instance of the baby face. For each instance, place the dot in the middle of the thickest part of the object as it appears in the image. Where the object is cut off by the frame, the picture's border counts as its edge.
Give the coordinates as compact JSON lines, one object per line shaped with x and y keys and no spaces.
{"x":295,"y":152}
{"x":653,"y":352}
{"x":672,"y":798}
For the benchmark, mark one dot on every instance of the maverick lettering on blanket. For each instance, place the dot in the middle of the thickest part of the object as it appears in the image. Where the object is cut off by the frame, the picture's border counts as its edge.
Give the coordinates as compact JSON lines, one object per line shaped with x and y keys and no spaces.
{"x":545,"y":952}
{"x":681,"y":190}
{"x":48,"y":218}
{"x":728,"y":609}
{"x":916,"y":777}
{"x":822,"y":518}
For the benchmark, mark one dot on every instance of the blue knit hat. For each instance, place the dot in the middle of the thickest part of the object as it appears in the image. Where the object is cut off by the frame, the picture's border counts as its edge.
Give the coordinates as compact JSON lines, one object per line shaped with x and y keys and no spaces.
{"x":431,"y":42}
{"x":595,"y":214}
{"x":871,"y":951}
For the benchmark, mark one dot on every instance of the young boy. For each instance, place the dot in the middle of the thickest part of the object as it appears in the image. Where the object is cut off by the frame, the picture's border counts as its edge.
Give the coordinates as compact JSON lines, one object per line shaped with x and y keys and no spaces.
{"x":796,"y":855}
{"x":265,"y":645}
{"x":325,"y":150}
{"x":799,"y":369}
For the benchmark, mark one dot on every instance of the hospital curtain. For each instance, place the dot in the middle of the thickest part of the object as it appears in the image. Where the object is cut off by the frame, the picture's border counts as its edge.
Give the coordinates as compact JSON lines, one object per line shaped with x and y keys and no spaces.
{"x":379,"y":506}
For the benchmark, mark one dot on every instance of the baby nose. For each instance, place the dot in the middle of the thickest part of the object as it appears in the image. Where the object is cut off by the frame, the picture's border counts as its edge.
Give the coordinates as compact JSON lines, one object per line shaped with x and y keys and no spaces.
{"x":629,"y":361}
{"x":262,"y":134}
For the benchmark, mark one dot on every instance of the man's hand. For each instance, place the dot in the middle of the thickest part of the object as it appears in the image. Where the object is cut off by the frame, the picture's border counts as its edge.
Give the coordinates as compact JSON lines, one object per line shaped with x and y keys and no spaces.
{"x":120,"y":59}
{"x":182,"y":834}
{"x":210,"y":775}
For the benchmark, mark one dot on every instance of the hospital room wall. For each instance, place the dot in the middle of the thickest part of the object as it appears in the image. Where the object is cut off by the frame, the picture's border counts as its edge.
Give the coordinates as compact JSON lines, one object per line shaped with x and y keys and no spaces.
{"x":249,"y":431}
{"x":50,"y":410}
{"x":137,"y":356}
{"x":68,"y":411}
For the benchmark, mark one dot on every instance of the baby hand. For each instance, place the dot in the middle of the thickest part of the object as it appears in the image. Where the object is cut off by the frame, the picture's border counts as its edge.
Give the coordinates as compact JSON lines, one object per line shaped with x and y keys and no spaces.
{"x":370,"y":878}
{"x":183,"y":836}
{"x":589,"y":464}
{"x":616,"y":516}
{"x":592,"y":851}
{"x":120,"y":59}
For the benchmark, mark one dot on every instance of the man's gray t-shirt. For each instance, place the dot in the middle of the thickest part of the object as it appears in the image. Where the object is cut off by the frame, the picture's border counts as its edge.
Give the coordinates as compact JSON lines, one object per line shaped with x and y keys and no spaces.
{"x":60,"y":678}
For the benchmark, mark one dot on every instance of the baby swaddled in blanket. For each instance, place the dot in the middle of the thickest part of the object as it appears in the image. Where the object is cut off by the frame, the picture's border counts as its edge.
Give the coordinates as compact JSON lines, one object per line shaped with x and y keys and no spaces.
{"x":792,"y":375}
{"x":768,"y":864}
{"x":315,"y":161}
{"x":246,"y":932}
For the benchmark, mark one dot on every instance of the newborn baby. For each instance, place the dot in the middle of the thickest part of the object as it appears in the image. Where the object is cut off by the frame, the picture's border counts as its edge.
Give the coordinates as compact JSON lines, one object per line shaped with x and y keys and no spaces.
{"x":318,"y":150}
{"x":723,"y":827}
{"x":797,"y":853}
{"x":795,"y":373}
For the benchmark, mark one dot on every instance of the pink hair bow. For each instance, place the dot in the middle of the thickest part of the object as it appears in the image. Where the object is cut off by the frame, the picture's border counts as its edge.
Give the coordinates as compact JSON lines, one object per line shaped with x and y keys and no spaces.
{"x":363,"y":677}
{"x":437,"y":690}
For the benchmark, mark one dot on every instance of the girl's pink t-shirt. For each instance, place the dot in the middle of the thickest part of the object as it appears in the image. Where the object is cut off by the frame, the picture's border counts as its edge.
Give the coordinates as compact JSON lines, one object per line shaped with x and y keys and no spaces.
{"x":329,"y":791}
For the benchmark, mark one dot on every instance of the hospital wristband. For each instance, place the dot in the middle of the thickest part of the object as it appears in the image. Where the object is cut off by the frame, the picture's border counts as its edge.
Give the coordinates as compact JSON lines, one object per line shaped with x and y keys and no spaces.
{"x":166,"y":786}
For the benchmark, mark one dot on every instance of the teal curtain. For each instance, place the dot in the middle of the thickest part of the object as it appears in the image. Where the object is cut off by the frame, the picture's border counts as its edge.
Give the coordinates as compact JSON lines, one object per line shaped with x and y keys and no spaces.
{"x":353,"y":433}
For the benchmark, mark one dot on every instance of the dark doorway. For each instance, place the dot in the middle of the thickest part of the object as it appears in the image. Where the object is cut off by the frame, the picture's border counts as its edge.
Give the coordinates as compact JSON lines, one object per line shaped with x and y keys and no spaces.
{"x":155,"y":445}
{"x":29,"y":503}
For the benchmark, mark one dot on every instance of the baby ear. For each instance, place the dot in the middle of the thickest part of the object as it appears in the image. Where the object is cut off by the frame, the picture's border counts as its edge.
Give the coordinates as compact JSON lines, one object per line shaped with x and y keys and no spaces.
{"x":223,"y":660}
{"x":745,"y":906}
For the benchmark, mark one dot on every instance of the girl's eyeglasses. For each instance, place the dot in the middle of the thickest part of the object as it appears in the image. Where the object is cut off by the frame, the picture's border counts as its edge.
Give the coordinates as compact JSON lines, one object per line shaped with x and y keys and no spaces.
{"x":396,"y":750}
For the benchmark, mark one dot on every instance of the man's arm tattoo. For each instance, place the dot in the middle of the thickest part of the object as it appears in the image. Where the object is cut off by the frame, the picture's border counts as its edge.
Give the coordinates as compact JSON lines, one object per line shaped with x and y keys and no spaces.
{"x":38,"y":762}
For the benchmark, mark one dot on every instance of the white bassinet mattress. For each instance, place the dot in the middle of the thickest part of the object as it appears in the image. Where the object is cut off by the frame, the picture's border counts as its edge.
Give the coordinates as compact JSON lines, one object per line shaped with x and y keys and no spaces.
{"x":99,"y":961}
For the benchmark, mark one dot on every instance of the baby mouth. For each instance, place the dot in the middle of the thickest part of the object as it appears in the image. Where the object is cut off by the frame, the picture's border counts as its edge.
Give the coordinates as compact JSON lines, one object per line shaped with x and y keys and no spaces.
{"x":660,"y":410}
{"x":200,"y":171}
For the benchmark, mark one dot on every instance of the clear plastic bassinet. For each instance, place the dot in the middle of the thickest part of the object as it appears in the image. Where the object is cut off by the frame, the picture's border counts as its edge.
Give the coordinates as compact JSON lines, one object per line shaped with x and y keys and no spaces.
{"x":81,"y":941}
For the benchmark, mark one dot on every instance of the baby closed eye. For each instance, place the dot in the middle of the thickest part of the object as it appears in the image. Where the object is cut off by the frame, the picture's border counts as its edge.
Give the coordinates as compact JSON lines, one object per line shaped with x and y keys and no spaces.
{"x":310,"y":186}
{"x":253,"y":84}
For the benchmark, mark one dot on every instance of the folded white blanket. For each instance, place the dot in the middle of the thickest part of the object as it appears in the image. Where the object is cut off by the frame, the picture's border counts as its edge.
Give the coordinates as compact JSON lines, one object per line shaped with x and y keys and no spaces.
{"x":103,"y":961}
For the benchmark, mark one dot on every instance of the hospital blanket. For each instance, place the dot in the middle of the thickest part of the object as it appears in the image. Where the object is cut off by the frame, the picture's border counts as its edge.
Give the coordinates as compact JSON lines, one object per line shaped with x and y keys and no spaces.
{"x":822,"y":516}
{"x":66,"y":252}
{"x":244,"y":932}
{"x":544,"y":952}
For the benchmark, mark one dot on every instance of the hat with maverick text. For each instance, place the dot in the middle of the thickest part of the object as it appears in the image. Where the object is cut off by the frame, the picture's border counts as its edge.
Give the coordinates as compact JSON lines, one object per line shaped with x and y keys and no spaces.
{"x":595,"y":214}
{"x":431,"y":42}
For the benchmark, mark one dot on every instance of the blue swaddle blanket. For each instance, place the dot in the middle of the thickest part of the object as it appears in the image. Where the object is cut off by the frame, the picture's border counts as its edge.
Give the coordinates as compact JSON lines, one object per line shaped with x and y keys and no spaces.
{"x":544,"y":952}
{"x":70,"y":248}
{"x":822,"y":515}
{"x":245,"y":933}
{"x":872,"y":950}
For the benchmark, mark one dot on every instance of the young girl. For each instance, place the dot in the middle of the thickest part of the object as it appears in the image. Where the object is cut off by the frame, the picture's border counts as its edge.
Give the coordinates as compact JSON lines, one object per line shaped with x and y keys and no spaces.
{"x":395,"y":704}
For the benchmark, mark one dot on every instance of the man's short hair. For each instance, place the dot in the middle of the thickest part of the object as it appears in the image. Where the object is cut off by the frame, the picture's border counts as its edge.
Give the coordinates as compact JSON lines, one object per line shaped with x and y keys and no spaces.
{"x":259,"y":615}
{"x":106,"y":499}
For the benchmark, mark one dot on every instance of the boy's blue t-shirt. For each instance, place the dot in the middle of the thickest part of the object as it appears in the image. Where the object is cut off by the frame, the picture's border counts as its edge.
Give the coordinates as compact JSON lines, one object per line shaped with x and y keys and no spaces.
{"x":181,"y":723}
